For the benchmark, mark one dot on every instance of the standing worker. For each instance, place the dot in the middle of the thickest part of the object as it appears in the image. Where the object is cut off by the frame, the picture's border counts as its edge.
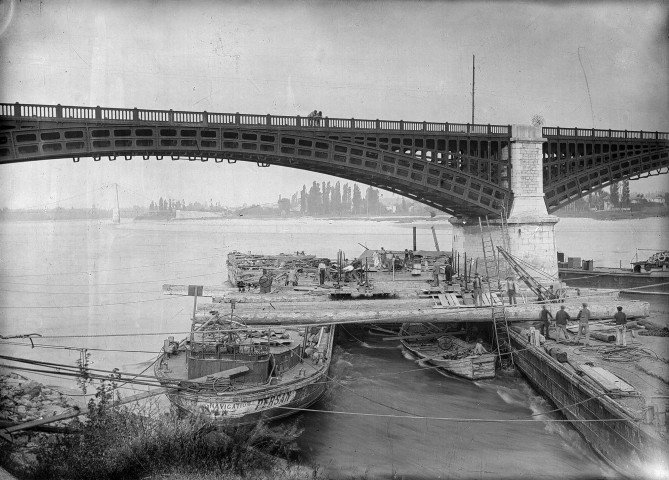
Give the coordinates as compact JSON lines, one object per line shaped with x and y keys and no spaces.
{"x":511,"y":290}
{"x":265,"y":282}
{"x":435,"y":275}
{"x":448,"y":272}
{"x":544,"y":316}
{"x":621,"y":327}
{"x":583,"y":318}
{"x":561,"y":319}
{"x":321,"y":272}
{"x":477,"y":286}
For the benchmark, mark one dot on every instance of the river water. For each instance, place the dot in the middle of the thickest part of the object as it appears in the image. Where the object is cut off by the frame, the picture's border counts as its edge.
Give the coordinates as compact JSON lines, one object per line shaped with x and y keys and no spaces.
{"x":95,"y":285}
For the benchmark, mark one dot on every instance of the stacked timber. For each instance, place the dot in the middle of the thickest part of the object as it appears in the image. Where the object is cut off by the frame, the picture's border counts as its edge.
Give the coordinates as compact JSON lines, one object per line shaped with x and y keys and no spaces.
{"x":414,"y":310}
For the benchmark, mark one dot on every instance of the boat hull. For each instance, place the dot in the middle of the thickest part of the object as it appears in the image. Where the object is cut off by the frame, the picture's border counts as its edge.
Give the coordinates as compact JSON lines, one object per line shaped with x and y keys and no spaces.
{"x":243,"y":409}
{"x":607,"y":428}
{"x":476,"y":367}
{"x":610,"y":278}
{"x":472,"y":367}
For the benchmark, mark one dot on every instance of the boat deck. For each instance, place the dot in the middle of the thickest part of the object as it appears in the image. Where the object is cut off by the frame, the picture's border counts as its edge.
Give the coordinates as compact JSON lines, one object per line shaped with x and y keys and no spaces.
{"x":174,"y":366}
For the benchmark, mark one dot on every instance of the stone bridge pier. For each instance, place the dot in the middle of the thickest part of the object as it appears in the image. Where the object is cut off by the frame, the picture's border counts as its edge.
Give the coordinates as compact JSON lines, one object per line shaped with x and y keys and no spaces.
{"x":530,"y":232}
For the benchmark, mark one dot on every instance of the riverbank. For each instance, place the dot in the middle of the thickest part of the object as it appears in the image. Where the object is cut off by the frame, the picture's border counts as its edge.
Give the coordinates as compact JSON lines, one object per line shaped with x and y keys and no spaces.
{"x":135,"y":442}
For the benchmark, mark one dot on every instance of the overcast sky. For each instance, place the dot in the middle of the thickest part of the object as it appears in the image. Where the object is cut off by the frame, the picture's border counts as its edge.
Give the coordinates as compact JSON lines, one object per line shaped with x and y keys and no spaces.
{"x":382,"y":59}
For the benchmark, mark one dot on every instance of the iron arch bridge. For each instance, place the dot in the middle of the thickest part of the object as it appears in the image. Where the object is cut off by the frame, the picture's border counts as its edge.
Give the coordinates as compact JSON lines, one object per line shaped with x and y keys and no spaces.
{"x":461,"y":169}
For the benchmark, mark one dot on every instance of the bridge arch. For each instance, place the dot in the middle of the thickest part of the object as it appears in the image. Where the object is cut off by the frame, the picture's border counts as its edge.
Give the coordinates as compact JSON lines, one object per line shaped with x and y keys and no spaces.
{"x":461,"y":169}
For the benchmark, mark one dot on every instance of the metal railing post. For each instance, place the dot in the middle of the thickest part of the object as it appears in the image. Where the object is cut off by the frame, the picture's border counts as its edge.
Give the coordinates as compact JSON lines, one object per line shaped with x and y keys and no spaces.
{"x":269,"y":120}
{"x":352,"y":122}
{"x":237,"y":118}
{"x":205,"y":118}
{"x":59,"y":111}
{"x":401,"y":124}
{"x":135,"y":114}
{"x":298,"y":121}
{"x":17,"y":109}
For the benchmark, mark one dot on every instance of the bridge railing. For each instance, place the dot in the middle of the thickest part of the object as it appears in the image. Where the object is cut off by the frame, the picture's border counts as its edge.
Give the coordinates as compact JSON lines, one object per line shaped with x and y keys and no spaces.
{"x":599,"y":133}
{"x":207,"y":118}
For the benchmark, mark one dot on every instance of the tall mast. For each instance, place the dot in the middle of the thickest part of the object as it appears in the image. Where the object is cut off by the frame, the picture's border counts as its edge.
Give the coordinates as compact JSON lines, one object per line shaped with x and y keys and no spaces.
{"x":473,"y":83}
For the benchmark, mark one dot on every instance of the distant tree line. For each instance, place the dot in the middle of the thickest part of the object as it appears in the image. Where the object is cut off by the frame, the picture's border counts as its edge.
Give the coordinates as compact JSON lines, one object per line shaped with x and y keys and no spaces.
{"x":323,"y":199}
{"x":169,"y":204}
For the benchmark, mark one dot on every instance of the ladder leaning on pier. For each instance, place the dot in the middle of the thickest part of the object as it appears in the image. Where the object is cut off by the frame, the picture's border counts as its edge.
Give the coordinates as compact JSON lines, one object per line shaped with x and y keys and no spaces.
{"x":500,"y":325}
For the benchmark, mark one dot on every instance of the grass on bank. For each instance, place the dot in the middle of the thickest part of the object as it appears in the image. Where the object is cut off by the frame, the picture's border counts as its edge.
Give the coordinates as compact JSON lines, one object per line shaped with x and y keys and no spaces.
{"x":133,"y":443}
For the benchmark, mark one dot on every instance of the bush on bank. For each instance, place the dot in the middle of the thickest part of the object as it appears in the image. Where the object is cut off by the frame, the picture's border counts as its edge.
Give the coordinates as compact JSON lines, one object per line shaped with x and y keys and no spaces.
{"x":127,"y":443}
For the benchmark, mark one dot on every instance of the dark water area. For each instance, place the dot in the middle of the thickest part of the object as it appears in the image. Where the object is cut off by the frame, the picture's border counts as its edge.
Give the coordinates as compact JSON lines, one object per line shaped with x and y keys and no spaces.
{"x":383,"y":387}
{"x":97,"y":286}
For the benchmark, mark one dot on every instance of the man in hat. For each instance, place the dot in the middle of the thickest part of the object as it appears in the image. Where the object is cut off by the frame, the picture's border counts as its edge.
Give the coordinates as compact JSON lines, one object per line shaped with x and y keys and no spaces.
{"x":561,"y":320}
{"x":435,"y":274}
{"x":448,"y":272}
{"x":544,"y":316}
{"x":621,"y":327}
{"x":583,"y":318}
{"x":477,"y":288}
{"x":511,"y":290}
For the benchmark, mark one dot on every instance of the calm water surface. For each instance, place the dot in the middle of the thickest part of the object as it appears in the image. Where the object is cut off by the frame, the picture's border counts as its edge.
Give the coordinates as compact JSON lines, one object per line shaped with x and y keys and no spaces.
{"x":94,"y":285}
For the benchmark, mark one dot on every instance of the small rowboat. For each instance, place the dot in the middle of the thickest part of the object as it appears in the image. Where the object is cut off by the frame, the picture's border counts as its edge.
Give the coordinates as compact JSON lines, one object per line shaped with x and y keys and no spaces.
{"x":446,"y":351}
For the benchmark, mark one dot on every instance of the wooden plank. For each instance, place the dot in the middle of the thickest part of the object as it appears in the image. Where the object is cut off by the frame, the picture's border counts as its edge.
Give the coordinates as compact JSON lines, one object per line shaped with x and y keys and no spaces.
{"x":453,"y":300}
{"x":443,"y":300}
{"x":413,"y":310}
{"x":224,"y":374}
{"x":605,"y":379}
{"x":208,"y":290}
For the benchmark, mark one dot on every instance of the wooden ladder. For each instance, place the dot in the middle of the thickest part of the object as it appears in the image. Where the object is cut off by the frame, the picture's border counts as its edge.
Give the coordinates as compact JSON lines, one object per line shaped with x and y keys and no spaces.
{"x":499,"y":322}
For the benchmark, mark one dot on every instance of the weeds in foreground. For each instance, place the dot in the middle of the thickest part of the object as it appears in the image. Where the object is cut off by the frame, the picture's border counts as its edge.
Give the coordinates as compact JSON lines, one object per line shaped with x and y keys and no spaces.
{"x":123,"y":442}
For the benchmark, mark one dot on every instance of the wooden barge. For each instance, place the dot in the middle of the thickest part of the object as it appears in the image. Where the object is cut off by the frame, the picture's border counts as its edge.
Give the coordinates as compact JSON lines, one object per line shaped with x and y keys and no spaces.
{"x":648,"y":276}
{"x":235,"y":375}
{"x":621,"y":424}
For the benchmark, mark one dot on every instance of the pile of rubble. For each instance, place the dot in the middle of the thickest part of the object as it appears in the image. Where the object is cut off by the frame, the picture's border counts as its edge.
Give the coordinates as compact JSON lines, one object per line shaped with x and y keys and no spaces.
{"x":23,"y":400}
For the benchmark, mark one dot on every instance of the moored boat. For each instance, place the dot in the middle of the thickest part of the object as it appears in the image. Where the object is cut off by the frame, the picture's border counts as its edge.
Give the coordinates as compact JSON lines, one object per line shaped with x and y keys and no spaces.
{"x":237,"y":375}
{"x":651,"y":275}
{"x":439,"y":348}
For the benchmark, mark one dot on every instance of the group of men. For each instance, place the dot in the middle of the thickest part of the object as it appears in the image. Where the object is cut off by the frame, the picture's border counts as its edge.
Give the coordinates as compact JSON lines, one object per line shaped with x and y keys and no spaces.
{"x":584,"y":315}
{"x":314,"y":118}
{"x":477,"y":290}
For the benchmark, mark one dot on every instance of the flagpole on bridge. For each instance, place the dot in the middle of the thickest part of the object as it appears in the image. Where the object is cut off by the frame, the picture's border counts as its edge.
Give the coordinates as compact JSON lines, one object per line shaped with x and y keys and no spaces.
{"x":473,"y":83}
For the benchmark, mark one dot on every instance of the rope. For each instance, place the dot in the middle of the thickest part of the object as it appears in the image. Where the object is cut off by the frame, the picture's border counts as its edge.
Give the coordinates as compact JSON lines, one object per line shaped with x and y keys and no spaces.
{"x":454,"y":419}
{"x":115,"y":269}
{"x":89,"y":305}
{"x":119,"y":283}
{"x":66,"y":347}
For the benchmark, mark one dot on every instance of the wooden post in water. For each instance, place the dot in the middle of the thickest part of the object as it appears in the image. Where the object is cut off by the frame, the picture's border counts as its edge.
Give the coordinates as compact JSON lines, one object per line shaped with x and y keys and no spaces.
{"x":194,"y":291}
{"x":465,"y":270}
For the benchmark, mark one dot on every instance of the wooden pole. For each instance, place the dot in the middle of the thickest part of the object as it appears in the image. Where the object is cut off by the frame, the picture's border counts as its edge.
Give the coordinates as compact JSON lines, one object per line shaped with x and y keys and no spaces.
{"x":434,"y":236}
{"x":465,"y":262}
{"x":414,"y":239}
{"x":473,"y":83}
